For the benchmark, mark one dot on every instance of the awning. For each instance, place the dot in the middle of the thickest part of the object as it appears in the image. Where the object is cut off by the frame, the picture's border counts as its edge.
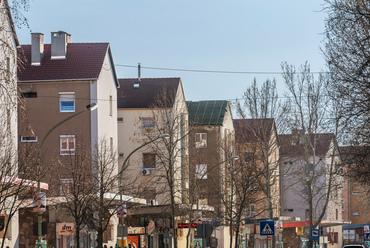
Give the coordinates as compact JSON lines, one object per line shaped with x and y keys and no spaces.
{"x":24,"y":182}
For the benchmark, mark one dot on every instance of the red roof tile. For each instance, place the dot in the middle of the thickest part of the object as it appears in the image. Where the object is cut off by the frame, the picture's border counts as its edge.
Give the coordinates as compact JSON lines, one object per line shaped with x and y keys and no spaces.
{"x":83,"y":61}
{"x":147,"y":93}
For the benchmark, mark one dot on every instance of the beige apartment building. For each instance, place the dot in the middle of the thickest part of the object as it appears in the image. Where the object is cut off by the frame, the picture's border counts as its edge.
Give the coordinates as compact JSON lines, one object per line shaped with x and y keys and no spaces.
{"x":153,"y":155}
{"x":57,"y":81}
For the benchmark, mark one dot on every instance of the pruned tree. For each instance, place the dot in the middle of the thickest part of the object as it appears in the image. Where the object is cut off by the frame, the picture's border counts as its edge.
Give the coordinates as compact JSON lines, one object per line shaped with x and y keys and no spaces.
{"x":169,"y":117}
{"x":105,"y":178}
{"x":77,"y":191}
{"x":347,"y":55}
{"x":311,"y":147}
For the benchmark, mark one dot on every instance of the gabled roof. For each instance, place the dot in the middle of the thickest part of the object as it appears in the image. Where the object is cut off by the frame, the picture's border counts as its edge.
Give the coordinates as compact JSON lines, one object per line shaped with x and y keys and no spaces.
{"x":147,"y":93}
{"x":209,"y":113}
{"x":253,"y":130}
{"x":84,"y":61}
{"x":291,"y":147}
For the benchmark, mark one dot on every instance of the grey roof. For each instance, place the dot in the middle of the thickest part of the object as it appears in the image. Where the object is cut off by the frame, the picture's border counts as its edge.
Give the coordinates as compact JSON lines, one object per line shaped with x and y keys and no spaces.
{"x":210,"y":113}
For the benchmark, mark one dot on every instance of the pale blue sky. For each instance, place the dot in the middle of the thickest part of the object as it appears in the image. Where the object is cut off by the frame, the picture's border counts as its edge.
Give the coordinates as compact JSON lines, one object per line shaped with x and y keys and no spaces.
{"x":226,"y":35}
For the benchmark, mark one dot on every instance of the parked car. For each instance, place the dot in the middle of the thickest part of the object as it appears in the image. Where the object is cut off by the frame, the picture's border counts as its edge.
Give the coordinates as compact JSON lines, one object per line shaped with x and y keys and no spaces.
{"x":354,"y":246}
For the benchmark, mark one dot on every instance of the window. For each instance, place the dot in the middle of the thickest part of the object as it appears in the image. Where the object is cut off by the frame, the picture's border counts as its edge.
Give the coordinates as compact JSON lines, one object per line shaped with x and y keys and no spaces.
{"x":120,"y":155}
{"x":200,"y":171}
{"x":249,"y":158}
{"x":250,"y":211}
{"x":356,"y":213}
{"x":28,"y":138}
{"x":203,"y":201}
{"x":67,"y":144}
{"x":288,"y":210}
{"x":66,"y":101}
{"x":356,"y":193}
{"x":148,"y":125}
{"x":150,"y":196}
{"x":110,"y":105}
{"x":66,"y":186}
{"x":148,"y":161}
{"x":343,"y":205}
{"x":336,"y":214}
{"x":29,"y":94}
{"x":333,"y":237}
{"x":120,"y":119}
{"x":250,"y":183}
{"x":307,"y":214}
{"x":200,"y":140}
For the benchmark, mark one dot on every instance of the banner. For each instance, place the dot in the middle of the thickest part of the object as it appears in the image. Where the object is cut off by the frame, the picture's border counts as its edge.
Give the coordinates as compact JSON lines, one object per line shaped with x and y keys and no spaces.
{"x":39,"y":202}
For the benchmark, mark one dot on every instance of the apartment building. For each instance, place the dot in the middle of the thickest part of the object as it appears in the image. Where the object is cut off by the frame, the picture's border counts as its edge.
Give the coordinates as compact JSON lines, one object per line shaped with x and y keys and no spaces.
{"x":153,"y":155}
{"x":211,"y":147}
{"x":57,"y":82}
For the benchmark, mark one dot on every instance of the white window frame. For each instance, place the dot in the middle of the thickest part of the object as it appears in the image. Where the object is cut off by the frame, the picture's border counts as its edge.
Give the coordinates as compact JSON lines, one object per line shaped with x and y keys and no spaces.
{"x":66,"y":182}
{"x":67,"y":151}
{"x":250,"y":211}
{"x":201,"y":171}
{"x":202,"y":142}
{"x":25,"y":140}
{"x":146,"y":128}
{"x":67,"y":97}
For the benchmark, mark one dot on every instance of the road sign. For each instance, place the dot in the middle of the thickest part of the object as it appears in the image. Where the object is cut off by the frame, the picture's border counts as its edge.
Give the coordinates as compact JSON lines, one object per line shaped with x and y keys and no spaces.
{"x":270,"y":238}
{"x":315,"y":234}
{"x":367,"y":236}
{"x":299,"y":230}
{"x":267,"y":228}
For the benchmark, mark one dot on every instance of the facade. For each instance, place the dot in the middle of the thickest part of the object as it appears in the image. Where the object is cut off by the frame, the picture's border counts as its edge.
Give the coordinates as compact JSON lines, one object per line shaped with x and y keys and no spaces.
{"x":311,"y":162}
{"x":355,"y":200}
{"x":211,"y":143}
{"x":8,"y":124}
{"x":154,"y":168}
{"x":57,"y":82}
{"x":258,"y":145}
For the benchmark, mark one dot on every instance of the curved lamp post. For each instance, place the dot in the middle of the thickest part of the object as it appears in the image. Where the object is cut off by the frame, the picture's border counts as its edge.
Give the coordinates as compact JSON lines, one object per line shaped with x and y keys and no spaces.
{"x":164,"y":136}
{"x":91,"y":107}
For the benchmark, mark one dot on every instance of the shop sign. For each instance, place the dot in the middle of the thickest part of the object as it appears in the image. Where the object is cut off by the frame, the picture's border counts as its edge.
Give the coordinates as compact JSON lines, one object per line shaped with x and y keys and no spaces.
{"x":65,"y":228}
{"x":136,"y":230}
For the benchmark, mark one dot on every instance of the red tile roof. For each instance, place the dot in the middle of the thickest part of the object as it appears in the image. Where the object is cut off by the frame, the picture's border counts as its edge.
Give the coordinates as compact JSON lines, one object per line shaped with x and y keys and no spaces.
{"x":146,"y":95}
{"x":253,"y":130}
{"x":84,"y":61}
{"x":322,"y":140}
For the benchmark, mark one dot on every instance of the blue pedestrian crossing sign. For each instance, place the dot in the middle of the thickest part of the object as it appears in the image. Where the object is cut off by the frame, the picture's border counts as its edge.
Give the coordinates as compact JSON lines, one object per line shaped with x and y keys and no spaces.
{"x":367,"y":236}
{"x":267,"y":228}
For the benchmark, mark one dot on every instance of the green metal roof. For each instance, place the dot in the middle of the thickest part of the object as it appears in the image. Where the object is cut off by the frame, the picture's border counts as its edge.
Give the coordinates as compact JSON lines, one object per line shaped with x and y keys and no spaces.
{"x":209,"y":113}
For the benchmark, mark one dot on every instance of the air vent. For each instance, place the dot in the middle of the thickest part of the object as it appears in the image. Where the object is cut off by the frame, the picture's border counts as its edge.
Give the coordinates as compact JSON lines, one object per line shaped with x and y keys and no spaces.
{"x":146,"y":172}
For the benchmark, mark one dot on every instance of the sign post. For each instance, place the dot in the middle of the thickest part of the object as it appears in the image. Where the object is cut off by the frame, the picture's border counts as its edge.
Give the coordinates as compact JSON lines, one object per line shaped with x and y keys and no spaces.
{"x":267,"y":228}
{"x":315,"y":236}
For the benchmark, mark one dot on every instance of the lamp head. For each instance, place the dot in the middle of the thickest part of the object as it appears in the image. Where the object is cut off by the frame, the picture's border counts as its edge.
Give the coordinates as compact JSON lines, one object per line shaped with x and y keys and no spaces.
{"x":234,"y":157}
{"x":92,"y":106}
{"x":166,"y":136}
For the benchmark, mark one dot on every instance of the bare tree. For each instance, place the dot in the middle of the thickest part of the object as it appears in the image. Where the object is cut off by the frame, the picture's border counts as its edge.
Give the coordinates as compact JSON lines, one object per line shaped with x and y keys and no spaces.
{"x":76,"y":189}
{"x":348,"y":56}
{"x":105,"y":179}
{"x":312,"y":147}
{"x":171,"y":165}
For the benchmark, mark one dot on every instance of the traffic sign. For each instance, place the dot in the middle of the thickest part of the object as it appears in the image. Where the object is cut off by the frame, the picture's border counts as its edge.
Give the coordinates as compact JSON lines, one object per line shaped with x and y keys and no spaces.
{"x":299,"y":230}
{"x":270,"y":238}
{"x":315,"y":234}
{"x":267,"y":228}
{"x":367,"y":236}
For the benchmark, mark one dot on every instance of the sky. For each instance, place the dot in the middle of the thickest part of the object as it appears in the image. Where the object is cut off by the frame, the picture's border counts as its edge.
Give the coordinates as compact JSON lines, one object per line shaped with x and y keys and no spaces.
{"x":249,"y":36}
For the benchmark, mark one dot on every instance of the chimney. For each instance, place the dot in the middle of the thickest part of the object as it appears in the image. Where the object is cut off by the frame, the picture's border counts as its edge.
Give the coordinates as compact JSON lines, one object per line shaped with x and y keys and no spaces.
{"x":139,"y":73}
{"x":37,"y":48}
{"x":59,"y":41}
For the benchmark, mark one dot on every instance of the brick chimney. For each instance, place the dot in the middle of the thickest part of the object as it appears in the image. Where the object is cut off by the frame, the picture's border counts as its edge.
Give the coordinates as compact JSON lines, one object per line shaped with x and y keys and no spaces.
{"x":59,"y":41}
{"x":37,"y":48}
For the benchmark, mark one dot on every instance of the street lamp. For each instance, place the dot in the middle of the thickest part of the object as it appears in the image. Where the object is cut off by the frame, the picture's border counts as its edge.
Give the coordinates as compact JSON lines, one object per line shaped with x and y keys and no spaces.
{"x":91,"y":107}
{"x":164,"y":136}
